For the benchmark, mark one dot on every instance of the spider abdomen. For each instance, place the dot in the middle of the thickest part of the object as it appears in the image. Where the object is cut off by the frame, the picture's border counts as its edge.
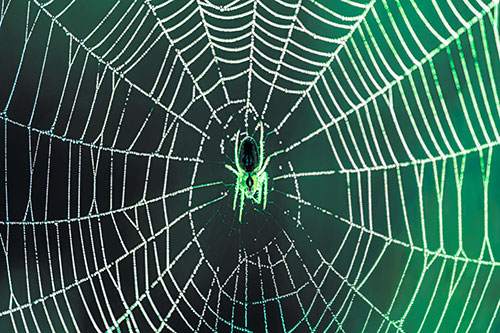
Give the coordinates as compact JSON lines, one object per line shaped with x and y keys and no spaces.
{"x":248,"y":154}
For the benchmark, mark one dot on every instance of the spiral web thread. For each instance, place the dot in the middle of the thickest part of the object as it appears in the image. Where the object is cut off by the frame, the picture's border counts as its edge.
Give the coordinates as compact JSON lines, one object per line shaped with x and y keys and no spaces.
{"x":405,"y":95}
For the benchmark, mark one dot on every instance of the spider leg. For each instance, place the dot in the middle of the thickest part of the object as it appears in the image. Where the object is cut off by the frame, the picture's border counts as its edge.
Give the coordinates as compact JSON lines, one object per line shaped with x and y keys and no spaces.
{"x":259,"y":195}
{"x":236,"y":191}
{"x":264,"y":166}
{"x":265,"y":190}
{"x":241,"y":204}
{"x":231,"y":169}
{"x":261,"y":145}
{"x":236,"y":147}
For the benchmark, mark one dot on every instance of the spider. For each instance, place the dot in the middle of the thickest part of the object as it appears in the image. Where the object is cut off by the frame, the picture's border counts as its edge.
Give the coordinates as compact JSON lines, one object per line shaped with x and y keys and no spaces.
{"x":251,"y":177}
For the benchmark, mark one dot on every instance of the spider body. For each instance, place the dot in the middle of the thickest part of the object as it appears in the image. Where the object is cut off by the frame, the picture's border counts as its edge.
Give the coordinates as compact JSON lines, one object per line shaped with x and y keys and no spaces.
{"x":251,"y":177}
{"x":248,"y":154}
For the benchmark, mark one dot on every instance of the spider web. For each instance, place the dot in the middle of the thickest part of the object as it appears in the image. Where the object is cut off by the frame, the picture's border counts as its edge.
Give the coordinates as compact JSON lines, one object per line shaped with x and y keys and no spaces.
{"x":118,"y":119}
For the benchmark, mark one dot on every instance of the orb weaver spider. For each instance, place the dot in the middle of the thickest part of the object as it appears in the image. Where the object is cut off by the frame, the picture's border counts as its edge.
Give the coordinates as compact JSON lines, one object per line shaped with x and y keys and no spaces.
{"x":251,"y":177}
